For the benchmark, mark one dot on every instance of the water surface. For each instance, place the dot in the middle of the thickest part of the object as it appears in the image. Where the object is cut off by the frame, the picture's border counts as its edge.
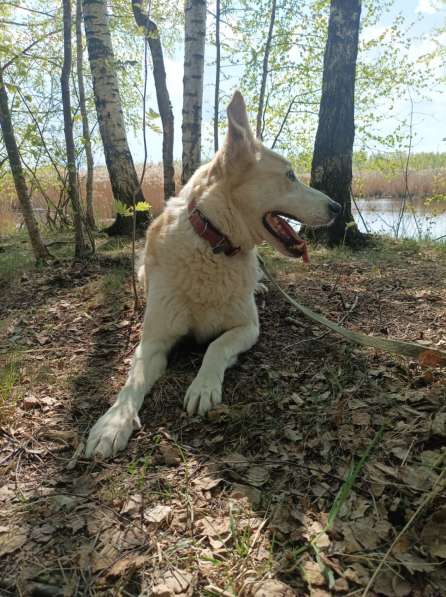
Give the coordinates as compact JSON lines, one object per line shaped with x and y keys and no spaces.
{"x":420,"y":220}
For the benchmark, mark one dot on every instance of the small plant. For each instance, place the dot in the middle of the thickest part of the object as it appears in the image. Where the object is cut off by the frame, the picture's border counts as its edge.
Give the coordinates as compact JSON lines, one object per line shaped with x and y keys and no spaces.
{"x":127,"y":211}
{"x":240,"y":537}
{"x":9,"y":376}
{"x":138,"y":469}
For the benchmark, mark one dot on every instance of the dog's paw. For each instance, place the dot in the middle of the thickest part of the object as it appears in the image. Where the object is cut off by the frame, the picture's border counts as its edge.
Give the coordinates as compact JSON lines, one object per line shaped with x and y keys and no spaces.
{"x":261,"y":288}
{"x":203,"y":395}
{"x":111,"y":433}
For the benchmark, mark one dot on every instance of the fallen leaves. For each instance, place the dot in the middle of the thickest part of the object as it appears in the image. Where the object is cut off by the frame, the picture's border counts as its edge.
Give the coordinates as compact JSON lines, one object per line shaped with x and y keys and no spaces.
{"x":392,"y":585}
{"x":433,"y":535}
{"x":168,"y":454}
{"x":174,"y":583}
{"x":227,"y":504}
{"x":127,"y":564}
{"x":158,"y":515}
{"x":12,"y":538}
{"x":271,"y":588}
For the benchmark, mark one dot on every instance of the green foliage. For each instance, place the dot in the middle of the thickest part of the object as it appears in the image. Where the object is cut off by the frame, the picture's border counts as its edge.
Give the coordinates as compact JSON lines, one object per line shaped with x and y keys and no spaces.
{"x":385,"y":71}
{"x":391,"y":162}
{"x":128,"y":211}
{"x":32,"y":79}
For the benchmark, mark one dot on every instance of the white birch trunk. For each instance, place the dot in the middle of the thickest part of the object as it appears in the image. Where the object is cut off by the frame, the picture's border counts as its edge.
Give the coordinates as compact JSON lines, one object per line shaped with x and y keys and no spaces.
{"x":84,"y":115}
{"x":121,"y":169}
{"x":194,"y":42}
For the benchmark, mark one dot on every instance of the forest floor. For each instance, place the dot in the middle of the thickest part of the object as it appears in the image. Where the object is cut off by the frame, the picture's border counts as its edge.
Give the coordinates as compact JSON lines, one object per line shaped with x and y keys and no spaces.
{"x":258,"y":499}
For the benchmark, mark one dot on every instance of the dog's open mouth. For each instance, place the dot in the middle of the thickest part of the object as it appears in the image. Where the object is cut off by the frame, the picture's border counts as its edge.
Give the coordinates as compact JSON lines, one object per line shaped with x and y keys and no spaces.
{"x":276,"y":223}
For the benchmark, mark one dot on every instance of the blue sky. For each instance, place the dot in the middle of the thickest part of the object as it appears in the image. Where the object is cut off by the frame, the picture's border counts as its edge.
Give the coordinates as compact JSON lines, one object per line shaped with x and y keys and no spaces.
{"x":429,"y":116}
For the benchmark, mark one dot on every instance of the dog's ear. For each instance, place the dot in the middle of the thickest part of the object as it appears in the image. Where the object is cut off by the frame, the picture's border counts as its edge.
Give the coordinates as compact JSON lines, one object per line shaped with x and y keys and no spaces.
{"x":238,"y":123}
{"x":240,"y":146}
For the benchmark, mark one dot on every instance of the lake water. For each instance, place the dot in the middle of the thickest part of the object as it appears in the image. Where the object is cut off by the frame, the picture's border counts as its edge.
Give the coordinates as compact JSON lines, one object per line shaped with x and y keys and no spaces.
{"x":381,"y":216}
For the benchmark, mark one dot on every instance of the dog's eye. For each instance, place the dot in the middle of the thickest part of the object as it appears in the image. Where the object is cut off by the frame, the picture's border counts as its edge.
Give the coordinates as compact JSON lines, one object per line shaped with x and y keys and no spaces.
{"x":291,"y":176}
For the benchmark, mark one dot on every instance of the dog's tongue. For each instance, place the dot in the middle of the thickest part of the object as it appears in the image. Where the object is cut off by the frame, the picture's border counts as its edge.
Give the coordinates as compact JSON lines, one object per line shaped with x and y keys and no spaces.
{"x":299,"y":243}
{"x":301,"y":246}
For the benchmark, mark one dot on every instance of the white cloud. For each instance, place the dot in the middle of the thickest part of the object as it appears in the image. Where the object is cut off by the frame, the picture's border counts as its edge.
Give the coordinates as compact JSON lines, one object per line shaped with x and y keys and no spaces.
{"x":428,"y":6}
{"x":373,"y":31}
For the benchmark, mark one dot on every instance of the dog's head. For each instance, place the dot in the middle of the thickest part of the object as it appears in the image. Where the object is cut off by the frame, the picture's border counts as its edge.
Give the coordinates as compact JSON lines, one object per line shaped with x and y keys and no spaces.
{"x":266,"y":189}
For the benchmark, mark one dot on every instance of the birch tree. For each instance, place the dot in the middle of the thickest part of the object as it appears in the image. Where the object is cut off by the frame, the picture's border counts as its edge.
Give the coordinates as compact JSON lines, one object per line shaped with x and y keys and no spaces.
{"x":39,"y":249}
{"x":261,"y":107}
{"x":162,"y":94}
{"x":86,"y":138}
{"x":331,"y":170}
{"x":194,"y":42}
{"x":217,"y":71}
{"x":73,"y":189}
{"x":119,"y":161}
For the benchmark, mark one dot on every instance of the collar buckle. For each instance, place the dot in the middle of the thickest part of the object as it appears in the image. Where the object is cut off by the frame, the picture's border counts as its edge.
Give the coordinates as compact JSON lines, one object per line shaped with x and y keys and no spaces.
{"x":218,"y":242}
{"x":219,"y":247}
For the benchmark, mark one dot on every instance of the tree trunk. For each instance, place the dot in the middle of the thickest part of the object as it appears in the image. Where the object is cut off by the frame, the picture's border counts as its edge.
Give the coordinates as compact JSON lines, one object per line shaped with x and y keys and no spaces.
{"x":120,"y":166}
{"x":259,"y":125}
{"x":162,"y":94}
{"x":194,"y":42}
{"x":217,"y":72}
{"x":73,"y":190}
{"x":84,"y":115}
{"x":331,"y":170}
{"x":39,"y":249}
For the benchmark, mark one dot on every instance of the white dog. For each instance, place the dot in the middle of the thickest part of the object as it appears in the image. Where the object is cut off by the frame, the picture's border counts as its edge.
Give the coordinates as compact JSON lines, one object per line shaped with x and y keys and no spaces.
{"x":201,"y":270}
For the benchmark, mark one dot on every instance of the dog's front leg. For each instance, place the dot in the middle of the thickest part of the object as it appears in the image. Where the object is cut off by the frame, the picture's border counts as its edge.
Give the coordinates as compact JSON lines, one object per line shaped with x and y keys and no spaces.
{"x":112,"y":431}
{"x":205,"y":391}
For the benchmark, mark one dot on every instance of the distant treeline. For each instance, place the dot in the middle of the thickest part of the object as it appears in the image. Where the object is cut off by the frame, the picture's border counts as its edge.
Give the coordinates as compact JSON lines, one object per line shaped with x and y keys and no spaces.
{"x":394,"y":175}
{"x":396,"y":161}
{"x":387,"y":163}
{"x":375,"y":175}
{"x":384,"y":174}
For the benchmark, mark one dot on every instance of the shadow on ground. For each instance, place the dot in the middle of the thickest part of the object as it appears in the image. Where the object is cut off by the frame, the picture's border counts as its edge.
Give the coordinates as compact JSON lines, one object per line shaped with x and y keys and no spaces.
{"x":238,"y":504}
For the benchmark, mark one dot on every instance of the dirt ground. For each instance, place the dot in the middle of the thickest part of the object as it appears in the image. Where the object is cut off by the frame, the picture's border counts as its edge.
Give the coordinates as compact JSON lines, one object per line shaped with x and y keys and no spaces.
{"x":263,"y":497}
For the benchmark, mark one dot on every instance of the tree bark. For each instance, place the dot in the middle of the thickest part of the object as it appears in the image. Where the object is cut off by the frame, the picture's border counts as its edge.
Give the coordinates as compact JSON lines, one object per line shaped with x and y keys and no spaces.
{"x":217,"y":72}
{"x":194,"y":43}
{"x":119,"y":161}
{"x":265,"y":71}
{"x":331,"y":170}
{"x":39,"y":249}
{"x":162,"y":94}
{"x":84,"y":115}
{"x":73,"y":190}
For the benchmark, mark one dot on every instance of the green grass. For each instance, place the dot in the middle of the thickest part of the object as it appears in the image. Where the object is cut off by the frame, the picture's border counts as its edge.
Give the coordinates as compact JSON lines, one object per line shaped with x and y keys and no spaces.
{"x":14,"y":261}
{"x":112,"y":281}
{"x":382,"y":250}
{"x":9,"y":377}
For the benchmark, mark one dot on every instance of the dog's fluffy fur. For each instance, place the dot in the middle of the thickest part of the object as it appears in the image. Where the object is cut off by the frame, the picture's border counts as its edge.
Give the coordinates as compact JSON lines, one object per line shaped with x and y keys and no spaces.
{"x":191,"y":290}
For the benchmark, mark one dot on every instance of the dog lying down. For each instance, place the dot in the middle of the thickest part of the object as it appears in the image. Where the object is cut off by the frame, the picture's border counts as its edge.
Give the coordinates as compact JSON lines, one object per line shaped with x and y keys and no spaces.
{"x":201,"y":270}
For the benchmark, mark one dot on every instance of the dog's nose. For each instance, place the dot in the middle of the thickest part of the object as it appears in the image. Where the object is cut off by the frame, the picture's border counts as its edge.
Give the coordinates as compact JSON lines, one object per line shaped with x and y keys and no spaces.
{"x":334,"y":207}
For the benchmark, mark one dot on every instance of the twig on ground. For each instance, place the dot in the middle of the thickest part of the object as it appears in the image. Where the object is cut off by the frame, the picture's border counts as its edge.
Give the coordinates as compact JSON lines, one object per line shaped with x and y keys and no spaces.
{"x":144,"y":134}
{"x":367,"y":229}
{"x":428,"y":498}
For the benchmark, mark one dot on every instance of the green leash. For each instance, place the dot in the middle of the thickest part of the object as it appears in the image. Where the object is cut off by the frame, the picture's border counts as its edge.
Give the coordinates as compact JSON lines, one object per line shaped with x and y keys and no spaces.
{"x":425,"y":356}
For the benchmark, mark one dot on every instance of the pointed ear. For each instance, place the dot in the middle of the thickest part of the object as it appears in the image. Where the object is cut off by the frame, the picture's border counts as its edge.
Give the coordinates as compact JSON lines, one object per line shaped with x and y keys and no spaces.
{"x":240,"y":145}
{"x":238,"y":124}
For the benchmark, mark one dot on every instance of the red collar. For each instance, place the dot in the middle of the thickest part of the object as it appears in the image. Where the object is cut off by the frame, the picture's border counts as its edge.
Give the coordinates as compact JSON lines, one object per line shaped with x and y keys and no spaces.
{"x":203,"y":227}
